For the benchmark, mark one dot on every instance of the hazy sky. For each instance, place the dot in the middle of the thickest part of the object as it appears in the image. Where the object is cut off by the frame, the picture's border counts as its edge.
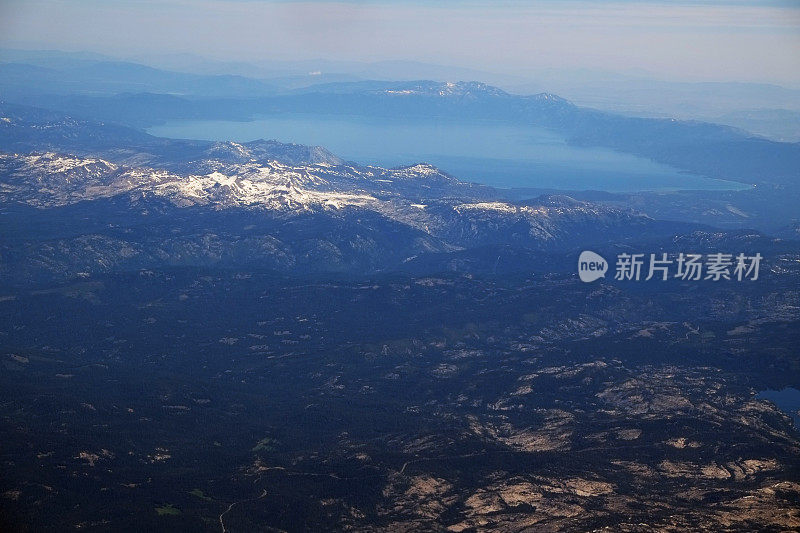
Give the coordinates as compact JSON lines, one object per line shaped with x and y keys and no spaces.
{"x":719,"y":40}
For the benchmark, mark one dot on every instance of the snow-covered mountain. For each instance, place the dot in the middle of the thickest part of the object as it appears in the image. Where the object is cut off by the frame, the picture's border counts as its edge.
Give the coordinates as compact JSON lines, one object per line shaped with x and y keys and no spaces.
{"x":79,"y":214}
{"x":126,"y":200}
{"x":232,"y":176}
{"x":464,"y":89}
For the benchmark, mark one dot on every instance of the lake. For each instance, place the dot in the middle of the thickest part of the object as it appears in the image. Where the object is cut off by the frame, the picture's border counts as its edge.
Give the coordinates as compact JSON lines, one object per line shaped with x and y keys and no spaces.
{"x":787,"y":400}
{"x":489,"y":152}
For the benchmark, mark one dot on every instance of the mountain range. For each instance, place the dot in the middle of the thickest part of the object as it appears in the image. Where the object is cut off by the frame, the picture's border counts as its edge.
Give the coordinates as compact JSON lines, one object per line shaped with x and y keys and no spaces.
{"x":700,"y":148}
{"x":80,"y":197}
{"x":204,"y":335}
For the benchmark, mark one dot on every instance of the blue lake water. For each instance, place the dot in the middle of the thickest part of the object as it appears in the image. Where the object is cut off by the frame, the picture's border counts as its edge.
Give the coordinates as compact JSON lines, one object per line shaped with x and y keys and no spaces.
{"x":787,"y":400}
{"x":489,"y":152}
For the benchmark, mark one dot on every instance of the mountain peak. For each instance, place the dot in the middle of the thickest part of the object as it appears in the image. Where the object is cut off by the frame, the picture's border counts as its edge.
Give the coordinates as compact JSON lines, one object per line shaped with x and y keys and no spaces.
{"x":468,"y":89}
{"x":549,"y":98}
{"x":263,"y":151}
{"x":421,"y":169}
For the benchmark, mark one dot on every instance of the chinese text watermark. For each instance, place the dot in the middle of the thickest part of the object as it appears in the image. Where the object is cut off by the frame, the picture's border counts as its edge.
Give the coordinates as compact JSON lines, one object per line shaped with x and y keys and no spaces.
{"x":686,"y":267}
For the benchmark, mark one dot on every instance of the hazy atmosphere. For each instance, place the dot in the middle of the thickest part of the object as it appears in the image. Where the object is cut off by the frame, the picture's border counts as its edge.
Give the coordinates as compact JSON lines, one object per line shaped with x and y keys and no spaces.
{"x":711,"y":40}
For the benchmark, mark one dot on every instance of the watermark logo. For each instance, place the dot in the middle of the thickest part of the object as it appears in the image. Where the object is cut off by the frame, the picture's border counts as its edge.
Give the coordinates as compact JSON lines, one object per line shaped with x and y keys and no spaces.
{"x":591,"y":266}
{"x":686,"y":267}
